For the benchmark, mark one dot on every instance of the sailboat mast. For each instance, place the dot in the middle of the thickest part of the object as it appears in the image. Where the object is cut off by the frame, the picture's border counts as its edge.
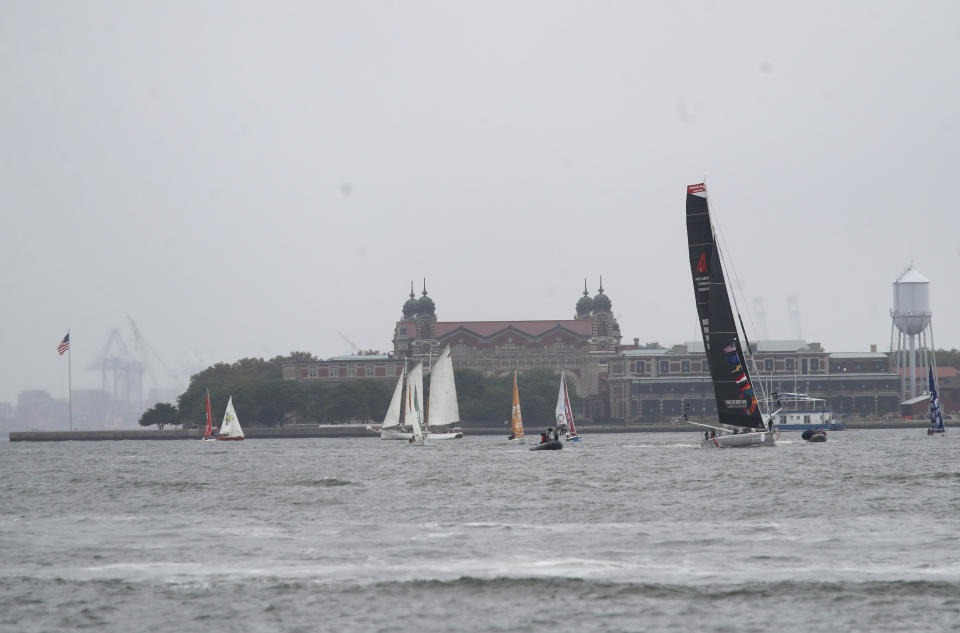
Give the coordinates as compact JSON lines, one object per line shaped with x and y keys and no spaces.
{"x":403,"y":393}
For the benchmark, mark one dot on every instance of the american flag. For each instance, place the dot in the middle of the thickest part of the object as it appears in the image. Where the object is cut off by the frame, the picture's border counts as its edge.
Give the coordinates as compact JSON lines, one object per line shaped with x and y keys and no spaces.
{"x":64,"y":344}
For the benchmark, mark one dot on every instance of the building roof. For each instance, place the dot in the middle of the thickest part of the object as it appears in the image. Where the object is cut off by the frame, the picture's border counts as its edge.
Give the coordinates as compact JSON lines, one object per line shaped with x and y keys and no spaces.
{"x":645,"y":352}
{"x":361,"y":357}
{"x":856,"y":355}
{"x":487,"y":329}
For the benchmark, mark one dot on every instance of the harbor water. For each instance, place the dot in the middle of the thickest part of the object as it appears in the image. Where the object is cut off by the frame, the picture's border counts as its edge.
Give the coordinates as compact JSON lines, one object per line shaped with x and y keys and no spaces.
{"x":621,"y":532}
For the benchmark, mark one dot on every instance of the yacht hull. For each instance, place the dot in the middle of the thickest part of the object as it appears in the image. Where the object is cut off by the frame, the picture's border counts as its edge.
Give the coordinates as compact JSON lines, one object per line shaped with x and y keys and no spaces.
{"x":740,"y":440}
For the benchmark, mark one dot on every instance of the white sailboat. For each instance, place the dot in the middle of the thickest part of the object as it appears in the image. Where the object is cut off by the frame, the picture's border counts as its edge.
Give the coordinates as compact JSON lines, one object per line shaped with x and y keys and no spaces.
{"x":564,"y":412}
{"x":414,"y":403}
{"x":443,"y":412}
{"x":391,"y":427}
{"x":516,"y":418}
{"x":230,"y":427}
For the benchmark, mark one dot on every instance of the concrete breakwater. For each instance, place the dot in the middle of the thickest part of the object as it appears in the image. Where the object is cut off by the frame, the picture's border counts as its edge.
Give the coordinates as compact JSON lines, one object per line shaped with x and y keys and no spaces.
{"x":332,"y":430}
{"x":360,"y":430}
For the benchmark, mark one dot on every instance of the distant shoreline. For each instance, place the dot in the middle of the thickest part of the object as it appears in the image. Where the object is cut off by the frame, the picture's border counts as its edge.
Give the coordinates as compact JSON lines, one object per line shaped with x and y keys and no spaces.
{"x":360,"y":430}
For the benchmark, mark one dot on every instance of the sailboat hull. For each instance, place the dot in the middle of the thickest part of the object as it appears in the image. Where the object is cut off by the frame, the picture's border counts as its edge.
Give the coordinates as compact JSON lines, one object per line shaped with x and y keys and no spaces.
{"x":220,"y":437}
{"x":740,"y":440}
{"x":386,"y":434}
{"x":395,"y":435}
{"x":453,"y":435}
{"x":571,"y":438}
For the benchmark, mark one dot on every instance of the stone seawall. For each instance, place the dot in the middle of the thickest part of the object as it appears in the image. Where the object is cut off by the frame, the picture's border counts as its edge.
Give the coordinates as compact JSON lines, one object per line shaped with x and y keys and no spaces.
{"x":360,"y":430}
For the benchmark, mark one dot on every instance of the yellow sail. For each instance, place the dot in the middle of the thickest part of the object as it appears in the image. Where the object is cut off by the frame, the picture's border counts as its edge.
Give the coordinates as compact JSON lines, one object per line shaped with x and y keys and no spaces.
{"x":516,"y":419}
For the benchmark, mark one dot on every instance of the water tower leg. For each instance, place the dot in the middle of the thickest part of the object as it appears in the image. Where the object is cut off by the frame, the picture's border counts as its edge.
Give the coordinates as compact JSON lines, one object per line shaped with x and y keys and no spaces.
{"x":913,"y":366}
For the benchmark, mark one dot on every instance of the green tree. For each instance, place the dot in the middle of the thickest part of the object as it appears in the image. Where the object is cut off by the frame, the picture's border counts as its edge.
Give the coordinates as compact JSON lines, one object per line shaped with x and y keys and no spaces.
{"x":489,"y":398}
{"x":160,"y":414}
{"x":948,"y":358}
{"x":241,"y":380}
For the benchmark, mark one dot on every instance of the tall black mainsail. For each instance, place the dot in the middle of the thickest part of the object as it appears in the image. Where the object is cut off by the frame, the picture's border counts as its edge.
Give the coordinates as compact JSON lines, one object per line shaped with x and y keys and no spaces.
{"x":736,"y":400}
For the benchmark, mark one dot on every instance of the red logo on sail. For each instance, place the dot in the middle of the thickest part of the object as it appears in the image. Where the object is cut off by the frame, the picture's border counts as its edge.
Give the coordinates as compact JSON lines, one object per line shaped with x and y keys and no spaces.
{"x":702,"y":264}
{"x":697,"y":188}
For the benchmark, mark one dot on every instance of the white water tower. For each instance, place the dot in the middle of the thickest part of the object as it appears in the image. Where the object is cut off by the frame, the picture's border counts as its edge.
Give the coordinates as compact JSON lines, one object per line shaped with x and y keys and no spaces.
{"x":913,"y":320}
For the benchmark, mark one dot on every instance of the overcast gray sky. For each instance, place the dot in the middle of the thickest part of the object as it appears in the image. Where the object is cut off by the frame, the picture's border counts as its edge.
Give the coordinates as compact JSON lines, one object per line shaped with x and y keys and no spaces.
{"x":247,"y":179}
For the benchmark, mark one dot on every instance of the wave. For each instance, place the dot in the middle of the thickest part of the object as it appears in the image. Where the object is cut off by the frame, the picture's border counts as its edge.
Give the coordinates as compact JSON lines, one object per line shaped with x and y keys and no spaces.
{"x":330,"y":482}
{"x":901,"y":589}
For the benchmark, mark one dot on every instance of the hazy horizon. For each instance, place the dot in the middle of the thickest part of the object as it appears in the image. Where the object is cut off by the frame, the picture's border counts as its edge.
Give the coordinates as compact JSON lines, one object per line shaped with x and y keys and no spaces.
{"x":247,"y":180}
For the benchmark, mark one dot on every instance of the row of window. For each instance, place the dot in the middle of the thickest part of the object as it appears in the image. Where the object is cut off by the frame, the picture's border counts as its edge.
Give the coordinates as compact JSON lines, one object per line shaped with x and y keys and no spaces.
{"x":518,"y":362}
{"x":876,"y":365}
{"x":658,"y":409}
{"x":463,"y":348}
{"x":790,"y":365}
{"x":351,"y":371}
{"x":368,"y":371}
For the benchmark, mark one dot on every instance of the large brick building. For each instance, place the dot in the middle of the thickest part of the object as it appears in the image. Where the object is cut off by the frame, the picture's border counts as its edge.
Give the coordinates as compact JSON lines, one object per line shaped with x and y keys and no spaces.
{"x":583,"y":345}
{"x":651,"y":385}
{"x":620,"y":382}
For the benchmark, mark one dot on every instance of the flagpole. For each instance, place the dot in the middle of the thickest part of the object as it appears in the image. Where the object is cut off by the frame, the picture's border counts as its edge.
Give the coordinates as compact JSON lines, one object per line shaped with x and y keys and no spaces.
{"x":69,"y":387}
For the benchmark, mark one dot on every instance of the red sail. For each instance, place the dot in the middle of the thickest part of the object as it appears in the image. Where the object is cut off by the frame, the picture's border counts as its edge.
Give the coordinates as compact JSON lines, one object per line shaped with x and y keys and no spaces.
{"x":209,"y":430}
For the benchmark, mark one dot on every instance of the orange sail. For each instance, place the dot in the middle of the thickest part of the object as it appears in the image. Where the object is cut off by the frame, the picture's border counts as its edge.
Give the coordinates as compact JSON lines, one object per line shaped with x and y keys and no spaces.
{"x":209,"y":430}
{"x":516,"y":419}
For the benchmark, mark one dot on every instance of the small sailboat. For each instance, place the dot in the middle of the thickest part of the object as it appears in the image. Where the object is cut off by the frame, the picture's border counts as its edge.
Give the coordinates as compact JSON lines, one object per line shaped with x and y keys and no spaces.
{"x":516,"y":418}
{"x":414,"y":404}
{"x":564,"y":413}
{"x":230,"y":427}
{"x":936,"y":415}
{"x":443,"y":412}
{"x":208,"y":431}
{"x":392,"y":425}
{"x":741,"y":423}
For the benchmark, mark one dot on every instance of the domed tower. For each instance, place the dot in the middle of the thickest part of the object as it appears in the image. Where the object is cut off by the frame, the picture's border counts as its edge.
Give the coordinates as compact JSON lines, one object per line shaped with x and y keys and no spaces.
{"x":606,"y":330}
{"x":585,"y":304}
{"x":411,"y":307}
{"x":425,"y":304}
{"x":601,"y":302}
{"x":403,"y":334}
{"x":426,"y":321}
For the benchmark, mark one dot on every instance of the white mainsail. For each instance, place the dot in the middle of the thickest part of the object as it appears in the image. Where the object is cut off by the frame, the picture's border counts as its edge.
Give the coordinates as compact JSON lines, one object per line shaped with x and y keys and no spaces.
{"x":563,"y":412}
{"x":444,"y":409}
{"x":230,"y":427}
{"x":414,"y":401}
{"x":392,"y":418}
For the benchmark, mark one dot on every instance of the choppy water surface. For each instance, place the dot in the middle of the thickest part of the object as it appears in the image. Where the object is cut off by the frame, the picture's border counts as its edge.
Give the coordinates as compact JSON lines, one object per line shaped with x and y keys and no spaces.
{"x":624,"y":532}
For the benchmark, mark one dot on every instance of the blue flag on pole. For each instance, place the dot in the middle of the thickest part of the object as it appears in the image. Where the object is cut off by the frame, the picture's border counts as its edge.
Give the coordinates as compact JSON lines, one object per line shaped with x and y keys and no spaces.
{"x":936,"y":416}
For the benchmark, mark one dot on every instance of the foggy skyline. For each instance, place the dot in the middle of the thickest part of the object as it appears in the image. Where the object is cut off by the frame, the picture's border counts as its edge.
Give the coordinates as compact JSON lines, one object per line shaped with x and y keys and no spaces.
{"x":245,"y":179}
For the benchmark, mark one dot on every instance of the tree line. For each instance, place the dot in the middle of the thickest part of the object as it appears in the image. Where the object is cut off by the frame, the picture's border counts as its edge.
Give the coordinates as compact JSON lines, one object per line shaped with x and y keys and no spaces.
{"x":262,"y":398}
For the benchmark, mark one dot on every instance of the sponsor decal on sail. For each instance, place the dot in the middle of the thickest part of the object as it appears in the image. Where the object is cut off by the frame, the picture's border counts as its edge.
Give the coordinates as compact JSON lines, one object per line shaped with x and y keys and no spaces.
{"x":702,"y":264}
{"x":740,"y":376}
